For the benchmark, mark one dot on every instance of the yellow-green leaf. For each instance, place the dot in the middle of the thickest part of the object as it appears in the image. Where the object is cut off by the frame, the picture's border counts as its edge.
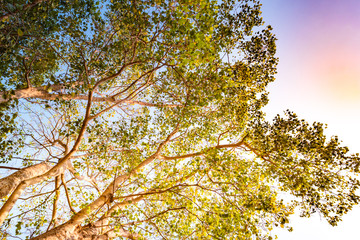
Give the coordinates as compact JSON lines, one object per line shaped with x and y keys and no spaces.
{"x":20,"y":32}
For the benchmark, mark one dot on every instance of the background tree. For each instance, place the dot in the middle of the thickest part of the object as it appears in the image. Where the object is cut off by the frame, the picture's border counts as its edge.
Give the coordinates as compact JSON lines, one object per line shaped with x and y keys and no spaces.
{"x":142,"y":120}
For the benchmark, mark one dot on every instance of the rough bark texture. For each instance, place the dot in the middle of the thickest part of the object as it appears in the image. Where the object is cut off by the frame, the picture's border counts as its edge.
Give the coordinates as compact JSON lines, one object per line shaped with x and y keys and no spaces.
{"x":9,"y":183}
{"x":98,"y":231}
{"x":42,"y":93}
{"x":64,"y":231}
{"x":31,"y":92}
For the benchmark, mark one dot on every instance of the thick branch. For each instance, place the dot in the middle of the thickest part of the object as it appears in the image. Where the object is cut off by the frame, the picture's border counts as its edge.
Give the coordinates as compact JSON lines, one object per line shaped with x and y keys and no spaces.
{"x":65,"y":230}
{"x":31,"y":92}
{"x":105,"y":197}
{"x":203,"y":152}
{"x":55,"y":171}
{"x":105,"y":233}
{"x":41,"y":93}
{"x":9,"y":183}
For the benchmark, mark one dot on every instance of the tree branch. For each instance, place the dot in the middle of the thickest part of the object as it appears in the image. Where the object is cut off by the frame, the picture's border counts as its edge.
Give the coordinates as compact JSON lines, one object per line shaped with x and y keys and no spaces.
{"x":234,"y":145}
{"x":67,"y":194}
{"x":11,"y":168}
{"x":54,"y":171}
{"x":41,"y":93}
{"x":67,"y":228}
{"x":9,"y":183}
{"x":56,"y":199}
{"x":29,"y":5}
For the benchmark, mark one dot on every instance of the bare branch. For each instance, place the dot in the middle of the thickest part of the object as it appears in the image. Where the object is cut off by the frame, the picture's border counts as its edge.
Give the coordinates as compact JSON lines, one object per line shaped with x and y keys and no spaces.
{"x":54,"y":171}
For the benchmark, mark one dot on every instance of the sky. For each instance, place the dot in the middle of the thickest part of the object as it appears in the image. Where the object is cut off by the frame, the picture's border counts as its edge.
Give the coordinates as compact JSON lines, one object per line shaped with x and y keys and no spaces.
{"x":318,"y":78}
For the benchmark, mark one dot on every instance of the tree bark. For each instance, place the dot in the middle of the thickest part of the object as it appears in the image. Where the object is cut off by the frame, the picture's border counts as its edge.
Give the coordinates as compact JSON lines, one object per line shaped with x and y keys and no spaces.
{"x":42,"y":93}
{"x":9,"y":183}
{"x":58,"y":169}
{"x":31,"y":92}
{"x":71,"y":229}
{"x":99,"y":230}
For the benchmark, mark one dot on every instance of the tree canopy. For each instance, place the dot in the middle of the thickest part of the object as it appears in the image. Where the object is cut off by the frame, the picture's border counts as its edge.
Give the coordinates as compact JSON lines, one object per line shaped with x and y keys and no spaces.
{"x":143,"y":120}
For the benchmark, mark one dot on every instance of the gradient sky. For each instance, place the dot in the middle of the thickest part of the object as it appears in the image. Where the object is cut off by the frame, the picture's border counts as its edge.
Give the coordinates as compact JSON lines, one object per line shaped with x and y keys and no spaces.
{"x":319,"y":79}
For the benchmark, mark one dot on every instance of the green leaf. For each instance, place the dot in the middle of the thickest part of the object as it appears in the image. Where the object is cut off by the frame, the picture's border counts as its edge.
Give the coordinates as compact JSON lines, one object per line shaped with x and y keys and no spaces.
{"x":20,"y":32}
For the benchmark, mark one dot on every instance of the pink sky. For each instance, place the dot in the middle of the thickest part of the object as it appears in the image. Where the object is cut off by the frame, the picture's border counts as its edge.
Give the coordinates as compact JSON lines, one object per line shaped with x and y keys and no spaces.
{"x":319,"y":79}
{"x":319,"y":69}
{"x":326,"y":37}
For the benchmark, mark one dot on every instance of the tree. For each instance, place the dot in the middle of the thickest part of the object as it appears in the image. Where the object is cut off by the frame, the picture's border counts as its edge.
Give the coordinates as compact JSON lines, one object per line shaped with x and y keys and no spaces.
{"x":143,"y":120}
